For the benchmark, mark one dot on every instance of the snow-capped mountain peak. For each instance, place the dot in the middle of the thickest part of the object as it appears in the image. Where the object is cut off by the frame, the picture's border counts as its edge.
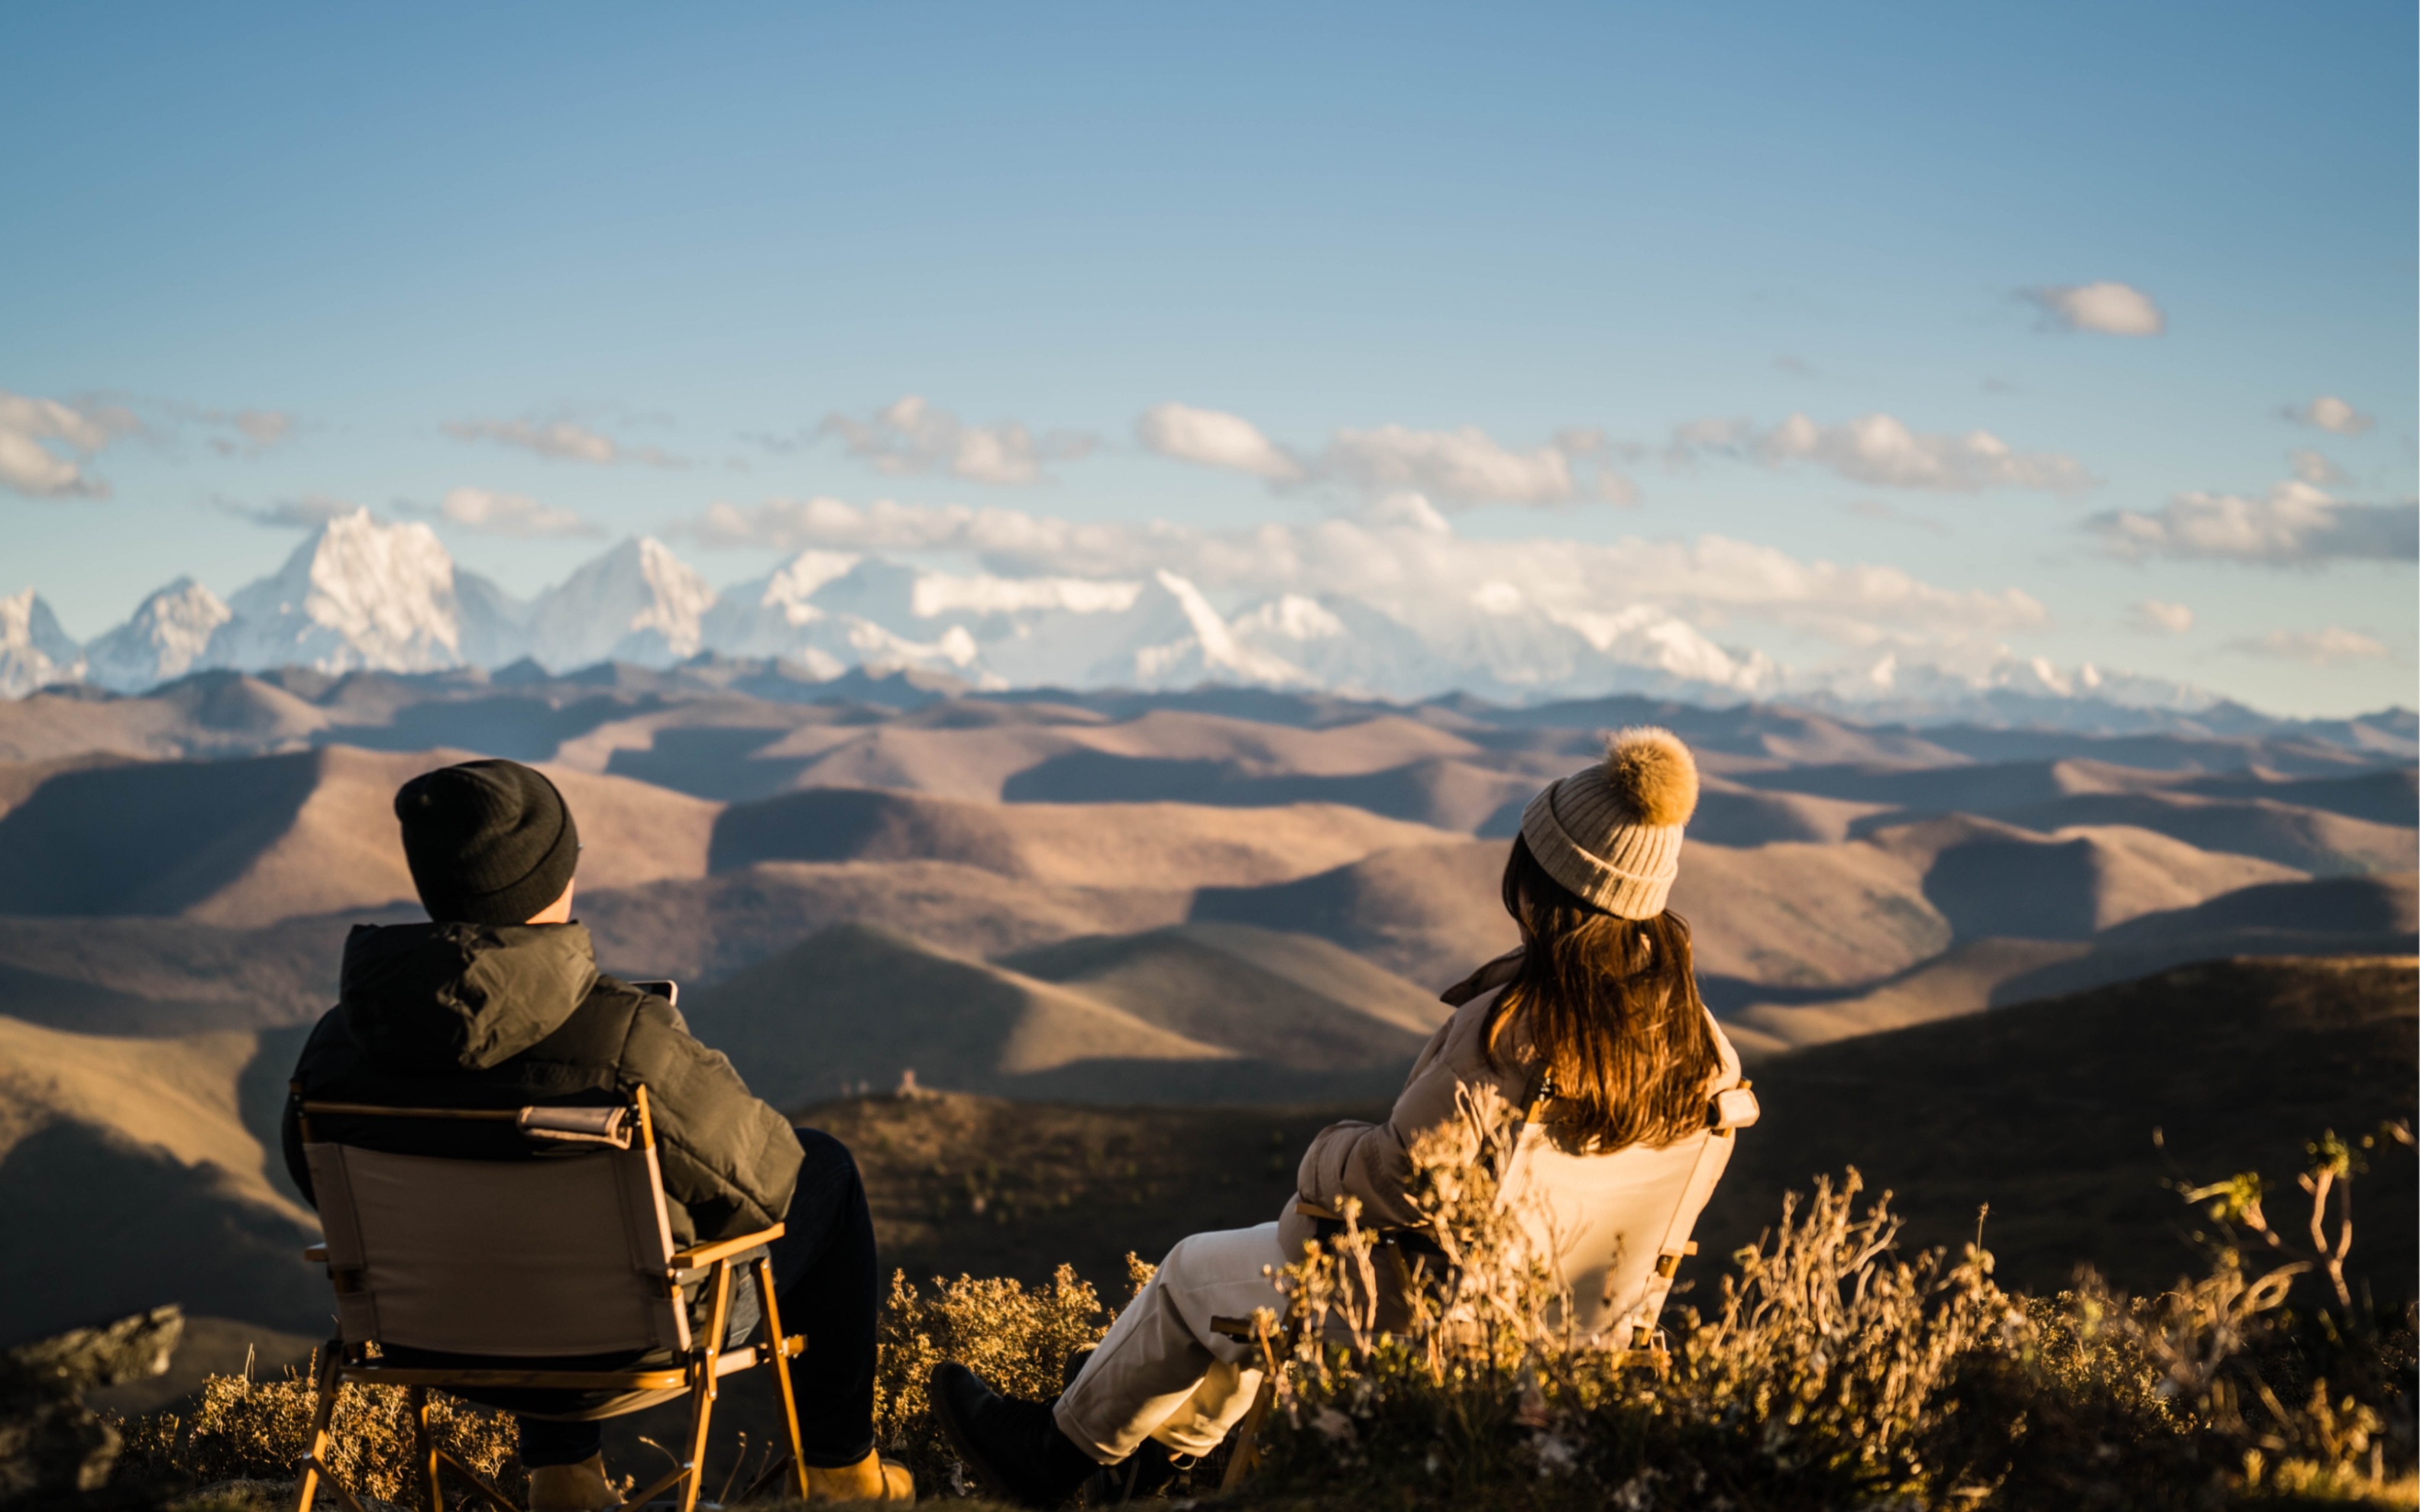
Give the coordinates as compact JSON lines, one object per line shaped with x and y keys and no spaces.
{"x":358,"y":592}
{"x":637,"y":602}
{"x":168,"y":636}
{"x":791,"y":590}
{"x":34,"y":651}
{"x":362,"y":593}
{"x":1214,"y":643}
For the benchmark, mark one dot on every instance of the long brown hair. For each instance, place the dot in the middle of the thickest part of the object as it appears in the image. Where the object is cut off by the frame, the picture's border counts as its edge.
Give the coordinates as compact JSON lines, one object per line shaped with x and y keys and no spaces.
{"x":1611,"y":1005}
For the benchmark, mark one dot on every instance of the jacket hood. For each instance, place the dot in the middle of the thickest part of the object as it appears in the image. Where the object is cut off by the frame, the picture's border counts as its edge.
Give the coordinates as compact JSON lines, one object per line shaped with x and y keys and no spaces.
{"x":471,"y":995}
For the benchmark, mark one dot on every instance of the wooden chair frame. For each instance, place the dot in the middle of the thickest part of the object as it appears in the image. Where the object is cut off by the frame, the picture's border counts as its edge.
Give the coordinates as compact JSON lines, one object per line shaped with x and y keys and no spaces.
{"x":699,"y":1370}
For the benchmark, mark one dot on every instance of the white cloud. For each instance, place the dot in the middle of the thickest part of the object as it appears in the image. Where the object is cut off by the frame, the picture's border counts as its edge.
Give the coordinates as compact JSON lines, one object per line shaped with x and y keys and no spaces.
{"x":1215,"y":438}
{"x":34,"y":431}
{"x":2315,"y":469}
{"x":307,"y":513}
{"x":909,"y":436}
{"x":2329,"y":414}
{"x":560,"y":440}
{"x":2294,"y":523}
{"x":2112,"y":309}
{"x":518,"y":516}
{"x":1881,"y":450}
{"x":1405,"y":564}
{"x":2155,"y":616}
{"x":1466,"y":466}
{"x":2317,"y":647}
{"x":1453,"y":469}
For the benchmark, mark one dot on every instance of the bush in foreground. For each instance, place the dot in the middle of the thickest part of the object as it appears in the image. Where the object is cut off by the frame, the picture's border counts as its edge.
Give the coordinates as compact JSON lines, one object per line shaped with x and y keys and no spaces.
{"x":1830,"y":1370}
{"x":1834,"y":1371}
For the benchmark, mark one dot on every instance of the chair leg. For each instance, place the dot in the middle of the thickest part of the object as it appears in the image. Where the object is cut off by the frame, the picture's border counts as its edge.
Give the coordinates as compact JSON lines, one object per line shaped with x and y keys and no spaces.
{"x":1246,"y":1454}
{"x":323,"y":1407}
{"x":423,"y":1443}
{"x":778,"y":1350}
{"x":702,"y":1394}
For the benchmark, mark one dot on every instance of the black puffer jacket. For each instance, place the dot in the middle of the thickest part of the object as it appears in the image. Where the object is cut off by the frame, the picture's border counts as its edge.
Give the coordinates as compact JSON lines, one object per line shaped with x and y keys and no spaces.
{"x":479,"y":1015}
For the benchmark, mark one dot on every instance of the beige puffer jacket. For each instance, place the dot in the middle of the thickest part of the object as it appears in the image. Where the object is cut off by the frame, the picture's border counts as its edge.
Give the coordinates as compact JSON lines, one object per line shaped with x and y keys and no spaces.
{"x":1372,"y":1161}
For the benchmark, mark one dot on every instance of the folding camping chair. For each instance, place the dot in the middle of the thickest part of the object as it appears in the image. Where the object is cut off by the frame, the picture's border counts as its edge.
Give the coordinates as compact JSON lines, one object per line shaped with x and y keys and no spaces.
{"x":1616,"y":1222}
{"x":504,"y":1269}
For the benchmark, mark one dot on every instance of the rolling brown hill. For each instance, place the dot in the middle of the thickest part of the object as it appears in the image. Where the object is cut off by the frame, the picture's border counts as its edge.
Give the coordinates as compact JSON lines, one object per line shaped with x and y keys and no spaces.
{"x":215,"y":714}
{"x":857,"y":1006}
{"x":1790,"y":913}
{"x":735,"y":749}
{"x":1731,"y":814}
{"x":2047,"y":1110}
{"x":1151,"y":1018}
{"x":254,"y":841}
{"x":2330,"y":916}
{"x":2387,"y":798}
{"x":1428,"y":913}
{"x":1291,"y":1000}
{"x":1989,"y":878}
{"x":160,"y":977}
{"x":134,"y":1171}
{"x":2310,"y":839}
{"x":1095,"y":844}
{"x":698,"y":930}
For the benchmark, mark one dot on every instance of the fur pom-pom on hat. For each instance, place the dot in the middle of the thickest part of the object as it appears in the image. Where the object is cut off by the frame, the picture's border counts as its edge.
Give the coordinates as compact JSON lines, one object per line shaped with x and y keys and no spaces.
{"x":1649,"y":769}
{"x":1611,"y":833}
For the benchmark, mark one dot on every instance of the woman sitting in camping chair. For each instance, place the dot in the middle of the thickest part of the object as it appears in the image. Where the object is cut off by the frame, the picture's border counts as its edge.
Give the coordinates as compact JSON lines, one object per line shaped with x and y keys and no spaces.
{"x":1594,"y":1022}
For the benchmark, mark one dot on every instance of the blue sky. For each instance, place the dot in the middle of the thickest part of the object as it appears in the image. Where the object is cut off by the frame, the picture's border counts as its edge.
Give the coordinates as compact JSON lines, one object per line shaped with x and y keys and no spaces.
{"x":1397,"y":243}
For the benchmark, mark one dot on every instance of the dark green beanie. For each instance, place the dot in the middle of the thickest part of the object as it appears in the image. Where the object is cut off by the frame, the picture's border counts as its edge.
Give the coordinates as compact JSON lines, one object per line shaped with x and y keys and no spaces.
{"x":488,"y":842}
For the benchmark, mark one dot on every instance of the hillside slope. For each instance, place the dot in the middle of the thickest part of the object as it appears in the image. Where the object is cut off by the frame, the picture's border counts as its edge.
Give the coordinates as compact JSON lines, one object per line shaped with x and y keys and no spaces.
{"x":1092,"y":844}
{"x":2047,"y":1111}
{"x":250,"y":841}
{"x":133,"y":1172}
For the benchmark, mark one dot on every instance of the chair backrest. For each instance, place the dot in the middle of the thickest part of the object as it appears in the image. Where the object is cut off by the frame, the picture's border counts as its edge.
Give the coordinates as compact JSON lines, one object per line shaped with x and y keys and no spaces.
{"x":566,"y":1254}
{"x":1617,"y":1223}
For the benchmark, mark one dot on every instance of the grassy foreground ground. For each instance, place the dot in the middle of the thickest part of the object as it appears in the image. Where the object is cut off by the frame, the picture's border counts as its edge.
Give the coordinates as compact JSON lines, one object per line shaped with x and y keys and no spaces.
{"x":1845,"y":1362}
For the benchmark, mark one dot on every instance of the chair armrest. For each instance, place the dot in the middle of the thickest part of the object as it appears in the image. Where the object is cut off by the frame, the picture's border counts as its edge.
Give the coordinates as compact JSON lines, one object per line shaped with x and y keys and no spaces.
{"x":700,"y":1255}
{"x":318,"y":1254}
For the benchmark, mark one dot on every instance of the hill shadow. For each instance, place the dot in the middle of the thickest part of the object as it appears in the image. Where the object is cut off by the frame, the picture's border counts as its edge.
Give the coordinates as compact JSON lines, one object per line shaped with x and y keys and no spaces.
{"x":153,"y":839}
{"x":146,"y":1229}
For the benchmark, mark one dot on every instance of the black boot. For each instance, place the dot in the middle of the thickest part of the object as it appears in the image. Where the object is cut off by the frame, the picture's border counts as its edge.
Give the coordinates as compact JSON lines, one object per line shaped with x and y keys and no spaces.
{"x":1144,"y":1473}
{"x":1013,"y":1447}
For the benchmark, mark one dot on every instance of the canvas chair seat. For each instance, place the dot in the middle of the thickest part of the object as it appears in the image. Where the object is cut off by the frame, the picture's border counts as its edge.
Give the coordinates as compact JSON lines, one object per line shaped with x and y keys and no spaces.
{"x":546,"y":1285}
{"x":1617,"y":1223}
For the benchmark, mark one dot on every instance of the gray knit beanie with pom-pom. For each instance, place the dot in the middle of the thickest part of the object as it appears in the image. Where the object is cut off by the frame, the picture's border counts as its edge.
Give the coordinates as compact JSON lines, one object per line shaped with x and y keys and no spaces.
{"x":1611,"y":833}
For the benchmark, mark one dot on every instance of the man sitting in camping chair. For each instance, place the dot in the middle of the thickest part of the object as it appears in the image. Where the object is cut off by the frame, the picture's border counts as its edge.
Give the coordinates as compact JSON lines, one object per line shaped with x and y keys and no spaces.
{"x":497,"y":1003}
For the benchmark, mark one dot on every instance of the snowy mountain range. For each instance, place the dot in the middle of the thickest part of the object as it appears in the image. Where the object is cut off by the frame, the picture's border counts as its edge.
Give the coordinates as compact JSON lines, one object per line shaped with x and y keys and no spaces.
{"x":365,"y":594}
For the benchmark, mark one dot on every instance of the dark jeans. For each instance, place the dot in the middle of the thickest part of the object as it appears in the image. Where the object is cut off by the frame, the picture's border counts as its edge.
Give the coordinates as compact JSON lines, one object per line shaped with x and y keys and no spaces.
{"x":825,"y":1278}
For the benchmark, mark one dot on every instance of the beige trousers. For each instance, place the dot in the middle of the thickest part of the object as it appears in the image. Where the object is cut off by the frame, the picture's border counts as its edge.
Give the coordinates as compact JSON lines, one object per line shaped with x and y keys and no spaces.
{"x":1161,"y":1373}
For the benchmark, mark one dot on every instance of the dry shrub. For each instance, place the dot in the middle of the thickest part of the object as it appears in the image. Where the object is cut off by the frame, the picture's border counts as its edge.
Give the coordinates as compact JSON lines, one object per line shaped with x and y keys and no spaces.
{"x":1018,"y":1339}
{"x":244,"y":1430}
{"x":1834,"y":1371}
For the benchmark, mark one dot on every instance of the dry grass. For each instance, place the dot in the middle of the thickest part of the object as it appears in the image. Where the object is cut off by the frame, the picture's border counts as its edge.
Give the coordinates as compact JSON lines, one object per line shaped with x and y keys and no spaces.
{"x":1017,"y":1339}
{"x":242,"y":1430}
{"x":1832,"y":1369}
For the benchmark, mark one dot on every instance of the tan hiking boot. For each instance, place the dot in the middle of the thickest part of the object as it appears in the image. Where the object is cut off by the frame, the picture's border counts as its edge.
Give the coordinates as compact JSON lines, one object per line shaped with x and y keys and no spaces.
{"x":871,"y":1479}
{"x":581,"y":1487}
